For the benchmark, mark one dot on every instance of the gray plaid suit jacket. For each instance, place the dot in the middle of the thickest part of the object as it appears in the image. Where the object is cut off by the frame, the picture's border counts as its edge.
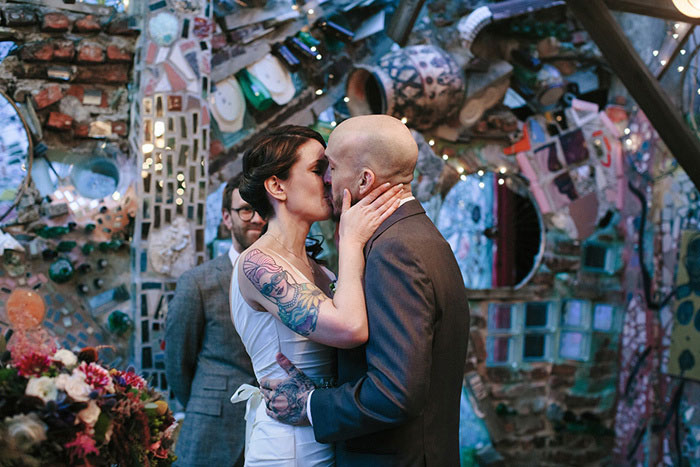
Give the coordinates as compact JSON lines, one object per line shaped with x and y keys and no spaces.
{"x":205,"y":363}
{"x":398,"y":402}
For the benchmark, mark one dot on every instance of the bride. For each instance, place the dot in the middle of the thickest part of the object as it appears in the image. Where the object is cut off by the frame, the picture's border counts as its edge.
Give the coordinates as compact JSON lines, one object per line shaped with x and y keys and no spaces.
{"x":280,"y":297}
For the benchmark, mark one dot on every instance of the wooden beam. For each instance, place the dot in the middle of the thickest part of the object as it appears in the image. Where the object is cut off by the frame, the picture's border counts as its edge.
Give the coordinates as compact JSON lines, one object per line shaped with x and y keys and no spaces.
{"x":640,"y":83}
{"x":403,"y":20}
{"x":658,"y":8}
{"x":686,"y":30}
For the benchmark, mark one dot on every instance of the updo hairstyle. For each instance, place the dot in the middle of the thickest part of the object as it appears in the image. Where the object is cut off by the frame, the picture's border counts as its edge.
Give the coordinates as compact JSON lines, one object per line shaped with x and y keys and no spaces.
{"x":272,"y":152}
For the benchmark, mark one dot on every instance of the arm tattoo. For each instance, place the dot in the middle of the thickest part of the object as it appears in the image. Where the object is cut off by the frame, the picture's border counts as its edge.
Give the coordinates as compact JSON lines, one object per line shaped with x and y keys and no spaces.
{"x":298,"y":304}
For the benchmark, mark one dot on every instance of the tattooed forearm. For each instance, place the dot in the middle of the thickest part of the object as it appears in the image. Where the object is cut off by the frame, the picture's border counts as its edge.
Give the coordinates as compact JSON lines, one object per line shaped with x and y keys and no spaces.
{"x":298,"y":304}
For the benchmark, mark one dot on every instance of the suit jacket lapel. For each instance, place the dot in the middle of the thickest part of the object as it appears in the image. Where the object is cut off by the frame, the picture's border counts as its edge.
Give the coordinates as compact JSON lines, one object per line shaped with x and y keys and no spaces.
{"x":223,"y":264}
{"x":410,"y":208}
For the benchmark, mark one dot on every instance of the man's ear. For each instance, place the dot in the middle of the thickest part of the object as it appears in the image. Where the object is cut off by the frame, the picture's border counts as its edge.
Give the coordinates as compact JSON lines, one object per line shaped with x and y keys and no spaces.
{"x":226,"y":219}
{"x":276,"y":188}
{"x":367,"y":180}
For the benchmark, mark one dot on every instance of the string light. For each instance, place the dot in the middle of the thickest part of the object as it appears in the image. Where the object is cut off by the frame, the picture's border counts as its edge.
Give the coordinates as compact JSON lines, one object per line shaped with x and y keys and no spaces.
{"x":655,"y":53}
{"x":676,"y":26}
{"x":319,"y":92}
{"x":180,"y":177}
{"x":463,"y":178}
{"x":503,"y":169}
{"x":178,"y":201}
{"x":431,"y":142}
{"x":319,"y":57}
{"x":313,"y":48}
{"x":346,"y":99}
{"x":680,"y":68}
{"x":627,"y":131}
{"x":682,"y":51}
{"x":675,"y":35}
{"x":334,"y":123}
{"x":482,"y":185}
{"x":501,"y":181}
{"x":460,"y":169}
{"x":311,"y":11}
{"x":404,"y":120}
{"x":663,"y":62}
{"x":116,"y":196}
{"x":445,"y":157}
{"x":147,"y":147}
{"x":480,"y":173}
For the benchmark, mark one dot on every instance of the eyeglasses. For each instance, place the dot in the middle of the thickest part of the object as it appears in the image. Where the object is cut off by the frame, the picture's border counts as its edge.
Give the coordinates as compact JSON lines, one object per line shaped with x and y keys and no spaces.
{"x":274,"y":281}
{"x":246,"y":213}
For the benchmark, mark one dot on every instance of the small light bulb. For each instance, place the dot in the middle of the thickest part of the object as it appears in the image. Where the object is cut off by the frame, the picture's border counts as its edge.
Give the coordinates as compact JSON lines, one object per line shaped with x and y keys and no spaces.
{"x":682,"y":51}
{"x":147,"y":147}
{"x":480,"y":173}
{"x":180,"y":191}
{"x":178,"y":201}
{"x":180,"y":177}
{"x":431,"y":142}
{"x":346,"y":99}
{"x":655,"y":53}
{"x":311,"y":11}
{"x":460,"y":169}
{"x":503,"y":169}
{"x":627,"y":131}
{"x":319,"y":92}
{"x":404,"y":120}
{"x":445,"y":157}
{"x":334,"y":123}
{"x":482,"y":185}
{"x":295,"y":7}
{"x":501,"y":181}
{"x":116,"y":196}
{"x":675,"y":35}
{"x":319,"y":57}
{"x":159,"y":166}
{"x":663,"y":62}
{"x":463,"y":178}
{"x":313,"y":48}
{"x":680,"y":68}
{"x":144,"y":174}
{"x":676,"y":25}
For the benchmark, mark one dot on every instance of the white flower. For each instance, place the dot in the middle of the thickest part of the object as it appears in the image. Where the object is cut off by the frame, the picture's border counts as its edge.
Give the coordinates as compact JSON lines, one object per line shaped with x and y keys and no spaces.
{"x":74,"y":385}
{"x":90,"y":414}
{"x":66,"y":357}
{"x":43,"y":388}
{"x":25,"y":430}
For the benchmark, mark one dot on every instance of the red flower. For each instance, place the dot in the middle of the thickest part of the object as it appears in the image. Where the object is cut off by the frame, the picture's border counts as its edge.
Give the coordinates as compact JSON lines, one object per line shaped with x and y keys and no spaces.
{"x":97,"y":377}
{"x":129,"y":378}
{"x":33,"y":364}
{"x":81,"y":446}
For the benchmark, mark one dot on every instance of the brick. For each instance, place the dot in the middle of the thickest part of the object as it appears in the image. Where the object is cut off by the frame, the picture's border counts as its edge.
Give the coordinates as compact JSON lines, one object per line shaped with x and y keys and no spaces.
{"x":115,"y":54}
{"x":76,"y":91}
{"x":105,"y":74}
{"x":59,"y":121}
{"x":120,"y":27}
{"x":19,"y":16}
{"x":55,"y":22}
{"x":37,"y":52}
{"x":90,"y":53}
{"x":120,"y":128}
{"x":48,"y":96}
{"x":63,"y":50}
{"x":564,"y":370}
{"x":81,"y":130}
{"x":87,"y":24}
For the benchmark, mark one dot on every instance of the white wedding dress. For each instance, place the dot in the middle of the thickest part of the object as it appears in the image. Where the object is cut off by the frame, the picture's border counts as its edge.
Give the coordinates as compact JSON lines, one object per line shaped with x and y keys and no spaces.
{"x":269,"y":442}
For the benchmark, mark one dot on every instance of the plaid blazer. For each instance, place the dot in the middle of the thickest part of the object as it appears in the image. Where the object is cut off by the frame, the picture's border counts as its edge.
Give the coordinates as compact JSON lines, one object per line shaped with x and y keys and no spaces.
{"x":205,"y":363}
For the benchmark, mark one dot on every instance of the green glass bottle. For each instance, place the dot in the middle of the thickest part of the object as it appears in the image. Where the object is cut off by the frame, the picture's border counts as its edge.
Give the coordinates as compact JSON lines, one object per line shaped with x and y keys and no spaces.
{"x":61,"y":271}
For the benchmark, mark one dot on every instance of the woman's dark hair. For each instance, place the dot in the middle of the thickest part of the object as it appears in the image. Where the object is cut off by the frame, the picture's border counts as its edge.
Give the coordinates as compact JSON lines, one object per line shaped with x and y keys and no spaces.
{"x":233,"y":183}
{"x":272,"y":152}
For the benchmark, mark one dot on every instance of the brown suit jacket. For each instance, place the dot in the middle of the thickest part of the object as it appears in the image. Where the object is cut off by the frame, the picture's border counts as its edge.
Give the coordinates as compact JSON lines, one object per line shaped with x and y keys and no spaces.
{"x":398,"y":403}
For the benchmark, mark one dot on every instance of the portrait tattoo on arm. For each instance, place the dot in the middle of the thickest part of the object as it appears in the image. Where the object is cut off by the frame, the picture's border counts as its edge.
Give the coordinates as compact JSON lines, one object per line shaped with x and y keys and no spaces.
{"x":298,"y":304}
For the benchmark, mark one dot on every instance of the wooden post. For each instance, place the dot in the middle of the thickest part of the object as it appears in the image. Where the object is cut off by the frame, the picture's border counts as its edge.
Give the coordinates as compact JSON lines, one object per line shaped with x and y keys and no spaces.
{"x":641,"y":84}
{"x":403,"y":20}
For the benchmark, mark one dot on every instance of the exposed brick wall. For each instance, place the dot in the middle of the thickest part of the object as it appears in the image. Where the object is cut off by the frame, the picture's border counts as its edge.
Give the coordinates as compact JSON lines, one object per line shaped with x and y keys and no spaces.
{"x":75,"y":69}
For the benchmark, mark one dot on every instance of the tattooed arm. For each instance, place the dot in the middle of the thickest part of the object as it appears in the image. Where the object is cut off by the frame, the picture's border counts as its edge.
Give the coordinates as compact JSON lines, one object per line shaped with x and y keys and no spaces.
{"x":267,"y":279}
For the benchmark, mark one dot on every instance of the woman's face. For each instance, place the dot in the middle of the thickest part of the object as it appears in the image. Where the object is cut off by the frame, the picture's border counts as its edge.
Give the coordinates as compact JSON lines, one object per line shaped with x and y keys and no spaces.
{"x":274,"y":284}
{"x":307,"y":194}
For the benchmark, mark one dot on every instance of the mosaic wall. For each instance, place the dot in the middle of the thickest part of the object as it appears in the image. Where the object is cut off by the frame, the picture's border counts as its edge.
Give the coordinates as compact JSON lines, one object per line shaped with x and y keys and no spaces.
{"x":67,"y":242}
{"x":170,"y":116}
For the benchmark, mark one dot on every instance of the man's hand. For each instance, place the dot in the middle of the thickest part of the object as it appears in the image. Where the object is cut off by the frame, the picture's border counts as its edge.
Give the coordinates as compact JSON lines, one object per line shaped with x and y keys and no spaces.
{"x":286,"y":398}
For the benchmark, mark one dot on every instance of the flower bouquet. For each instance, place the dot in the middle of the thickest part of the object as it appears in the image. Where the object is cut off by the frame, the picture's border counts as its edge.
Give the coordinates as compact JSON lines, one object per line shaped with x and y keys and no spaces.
{"x":59,"y":408}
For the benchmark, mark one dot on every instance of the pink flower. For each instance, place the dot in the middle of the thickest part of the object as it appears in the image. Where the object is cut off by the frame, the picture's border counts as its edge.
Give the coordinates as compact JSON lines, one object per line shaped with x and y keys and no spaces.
{"x":81,"y":446}
{"x":129,"y":378}
{"x":33,"y":364}
{"x":96,"y":377}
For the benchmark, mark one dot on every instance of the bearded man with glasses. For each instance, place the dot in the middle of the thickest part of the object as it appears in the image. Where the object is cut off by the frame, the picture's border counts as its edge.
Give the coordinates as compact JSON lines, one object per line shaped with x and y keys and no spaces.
{"x":205,"y":358}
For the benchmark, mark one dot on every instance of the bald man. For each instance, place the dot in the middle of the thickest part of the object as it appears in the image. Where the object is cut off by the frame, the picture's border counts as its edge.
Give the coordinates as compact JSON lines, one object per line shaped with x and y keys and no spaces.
{"x":397,"y":403}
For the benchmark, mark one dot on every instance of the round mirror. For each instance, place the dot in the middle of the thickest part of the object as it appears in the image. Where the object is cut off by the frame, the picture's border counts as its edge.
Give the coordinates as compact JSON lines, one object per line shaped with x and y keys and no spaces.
{"x":16,"y":152}
{"x":494,"y":228}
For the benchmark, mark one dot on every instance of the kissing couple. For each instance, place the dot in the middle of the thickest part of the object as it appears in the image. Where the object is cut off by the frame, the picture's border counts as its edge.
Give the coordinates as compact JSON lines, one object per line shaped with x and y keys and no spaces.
{"x":370,"y":374}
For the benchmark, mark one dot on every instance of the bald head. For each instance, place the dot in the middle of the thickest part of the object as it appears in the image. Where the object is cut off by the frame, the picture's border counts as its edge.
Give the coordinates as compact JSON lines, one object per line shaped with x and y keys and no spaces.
{"x":379,"y":142}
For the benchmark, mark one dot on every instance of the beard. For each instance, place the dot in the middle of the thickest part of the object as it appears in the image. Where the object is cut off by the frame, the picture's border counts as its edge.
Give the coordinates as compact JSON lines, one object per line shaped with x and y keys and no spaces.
{"x":245,"y":236}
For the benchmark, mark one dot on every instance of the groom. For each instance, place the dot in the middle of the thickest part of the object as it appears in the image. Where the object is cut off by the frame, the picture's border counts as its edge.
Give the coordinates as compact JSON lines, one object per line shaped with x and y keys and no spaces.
{"x":398,"y":397}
